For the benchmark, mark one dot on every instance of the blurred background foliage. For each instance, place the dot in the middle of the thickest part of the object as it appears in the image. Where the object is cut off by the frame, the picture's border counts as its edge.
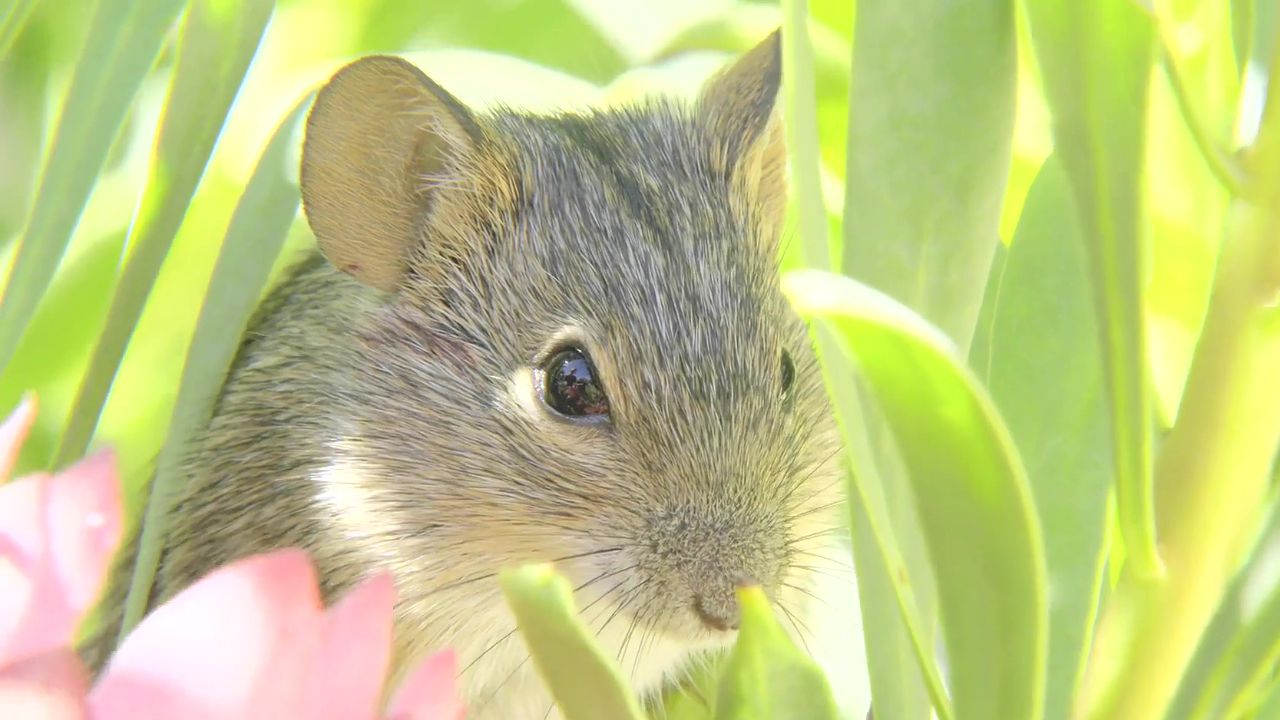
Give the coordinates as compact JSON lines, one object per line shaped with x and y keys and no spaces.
{"x":536,"y":54}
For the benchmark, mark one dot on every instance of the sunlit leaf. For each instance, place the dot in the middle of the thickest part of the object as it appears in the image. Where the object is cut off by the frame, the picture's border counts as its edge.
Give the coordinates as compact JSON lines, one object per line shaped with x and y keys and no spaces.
{"x":893,"y":569}
{"x":124,"y":38}
{"x":971,"y":491}
{"x":1040,"y":361}
{"x":585,"y":683}
{"x":1238,"y":655}
{"x":931,"y":125}
{"x":218,"y":41}
{"x":1095,"y":58}
{"x":13,"y":17}
{"x":550,"y":33}
{"x":802,"y":134}
{"x":253,"y":241}
{"x":741,"y":26}
{"x":766,"y":675}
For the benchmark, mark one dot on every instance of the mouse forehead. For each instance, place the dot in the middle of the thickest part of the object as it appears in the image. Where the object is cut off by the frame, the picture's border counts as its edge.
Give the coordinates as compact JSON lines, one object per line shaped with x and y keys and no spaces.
{"x":634,"y":230}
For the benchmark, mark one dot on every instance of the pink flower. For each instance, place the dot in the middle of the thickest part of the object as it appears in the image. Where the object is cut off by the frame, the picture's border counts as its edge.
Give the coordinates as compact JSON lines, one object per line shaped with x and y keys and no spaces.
{"x":250,"y":641}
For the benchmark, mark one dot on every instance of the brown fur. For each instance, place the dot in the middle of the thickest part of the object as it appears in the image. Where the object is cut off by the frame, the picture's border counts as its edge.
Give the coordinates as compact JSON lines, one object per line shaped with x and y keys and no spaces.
{"x":383,"y":417}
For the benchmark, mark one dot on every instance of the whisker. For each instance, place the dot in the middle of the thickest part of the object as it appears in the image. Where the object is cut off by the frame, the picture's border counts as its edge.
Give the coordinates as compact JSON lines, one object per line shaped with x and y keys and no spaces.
{"x":489,"y":575}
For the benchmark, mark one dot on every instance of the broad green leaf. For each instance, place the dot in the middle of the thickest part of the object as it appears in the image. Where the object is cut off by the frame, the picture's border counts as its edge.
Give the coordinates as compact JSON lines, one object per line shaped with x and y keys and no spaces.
{"x":218,"y":41}
{"x":585,"y":683}
{"x":741,"y":26}
{"x":766,"y":675}
{"x":931,"y":121}
{"x":1269,"y":707}
{"x":253,"y":241}
{"x":1242,"y":32}
{"x":802,"y":134}
{"x":971,"y":492}
{"x":13,"y":17}
{"x":124,"y":39}
{"x":551,"y":33}
{"x":1095,"y":58}
{"x":892,"y":566}
{"x":1041,"y":363}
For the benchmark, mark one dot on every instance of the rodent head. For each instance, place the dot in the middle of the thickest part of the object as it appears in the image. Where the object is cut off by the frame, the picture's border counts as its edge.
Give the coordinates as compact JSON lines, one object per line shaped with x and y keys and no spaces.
{"x":581,"y":351}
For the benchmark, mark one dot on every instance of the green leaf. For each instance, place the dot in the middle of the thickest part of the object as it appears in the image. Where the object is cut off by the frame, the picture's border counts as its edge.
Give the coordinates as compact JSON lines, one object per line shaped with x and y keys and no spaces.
{"x":585,"y":683}
{"x":219,"y":39}
{"x":1095,"y":58}
{"x":931,"y":121}
{"x":802,"y":134}
{"x":13,"y":18}
{"x":1042,"y":366}
{"x":124,"y":39}
{"x":1242,"y":645}
{"x":767,"y":676}
{"x":971,"y":492}
{"x":893,"y":569}
{"x":551,"y":33}
{"x":253,"y":241}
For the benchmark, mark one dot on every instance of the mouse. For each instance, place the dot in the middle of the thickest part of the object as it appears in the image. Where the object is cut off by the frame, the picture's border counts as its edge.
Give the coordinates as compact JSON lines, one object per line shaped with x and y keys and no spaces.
{"x":555,"y":337}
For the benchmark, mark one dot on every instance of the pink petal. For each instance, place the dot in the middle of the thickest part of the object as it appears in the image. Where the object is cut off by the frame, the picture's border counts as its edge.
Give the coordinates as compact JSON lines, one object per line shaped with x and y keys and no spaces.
{"x":357,"y":648}
{"x":240,"y":644}
{"x":13,"y":432}
{"x":49,"y":686}
{"x":430,"y":691}
{"x":84,"y":515}
{"x":57,"y":536}
{"x":17,"y":587}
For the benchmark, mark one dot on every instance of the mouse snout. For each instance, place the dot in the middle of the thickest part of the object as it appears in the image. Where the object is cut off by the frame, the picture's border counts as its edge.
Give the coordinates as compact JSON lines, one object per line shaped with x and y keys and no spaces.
{"x":704,"y":560}
{"x":718,"y":608}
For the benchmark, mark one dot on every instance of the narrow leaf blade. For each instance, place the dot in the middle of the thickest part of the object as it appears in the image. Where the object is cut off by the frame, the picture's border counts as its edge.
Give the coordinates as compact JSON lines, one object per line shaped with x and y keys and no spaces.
{"x":218,"y":41}
{"x":124,"y":39}
{"x":253,"y":241}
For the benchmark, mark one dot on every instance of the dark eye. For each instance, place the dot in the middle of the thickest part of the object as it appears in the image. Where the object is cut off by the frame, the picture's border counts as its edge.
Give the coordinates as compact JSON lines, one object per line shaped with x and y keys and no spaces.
{"x":788,"y":373}
{"x":571,"y":387}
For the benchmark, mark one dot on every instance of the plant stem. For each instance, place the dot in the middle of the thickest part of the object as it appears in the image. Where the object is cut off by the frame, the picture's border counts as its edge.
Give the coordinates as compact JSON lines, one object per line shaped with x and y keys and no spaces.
{"x":1222,"y":165}
{"x":1212,"y":474}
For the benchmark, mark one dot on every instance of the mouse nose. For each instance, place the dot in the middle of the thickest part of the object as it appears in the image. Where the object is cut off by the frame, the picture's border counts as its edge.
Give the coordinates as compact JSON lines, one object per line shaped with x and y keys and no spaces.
{"x":721,"y":616}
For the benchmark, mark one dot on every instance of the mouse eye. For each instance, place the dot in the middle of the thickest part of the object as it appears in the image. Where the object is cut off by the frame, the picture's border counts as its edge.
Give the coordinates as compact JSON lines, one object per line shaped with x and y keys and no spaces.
{"x":571,"y":387}
{"x":788,"y":373}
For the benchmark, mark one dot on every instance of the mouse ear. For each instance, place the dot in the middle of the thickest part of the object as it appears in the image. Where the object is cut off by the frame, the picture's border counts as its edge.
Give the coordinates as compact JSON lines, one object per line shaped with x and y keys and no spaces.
{"x":740,"y":104}
{"x":381,"y":137}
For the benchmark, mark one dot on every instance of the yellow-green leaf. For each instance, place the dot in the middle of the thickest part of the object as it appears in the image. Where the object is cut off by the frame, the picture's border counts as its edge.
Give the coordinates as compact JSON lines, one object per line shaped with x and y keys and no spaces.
{"x":895,"y":576}
{"x":1040,"y":361}
{"x":767,"y":676}
{"x":931,"y":121}
{"x":124,"y":39}
{"x":585,"y":683}
{"x":219,"y":39}
{"x":971,"y":491}
{"x":249,"y":251}
{"x":1095,"y":58}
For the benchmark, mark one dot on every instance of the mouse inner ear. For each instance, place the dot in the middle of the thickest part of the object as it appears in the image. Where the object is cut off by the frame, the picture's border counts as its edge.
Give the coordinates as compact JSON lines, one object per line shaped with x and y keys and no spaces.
{"x":381,"y":138}
{"x":740,"y":105}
